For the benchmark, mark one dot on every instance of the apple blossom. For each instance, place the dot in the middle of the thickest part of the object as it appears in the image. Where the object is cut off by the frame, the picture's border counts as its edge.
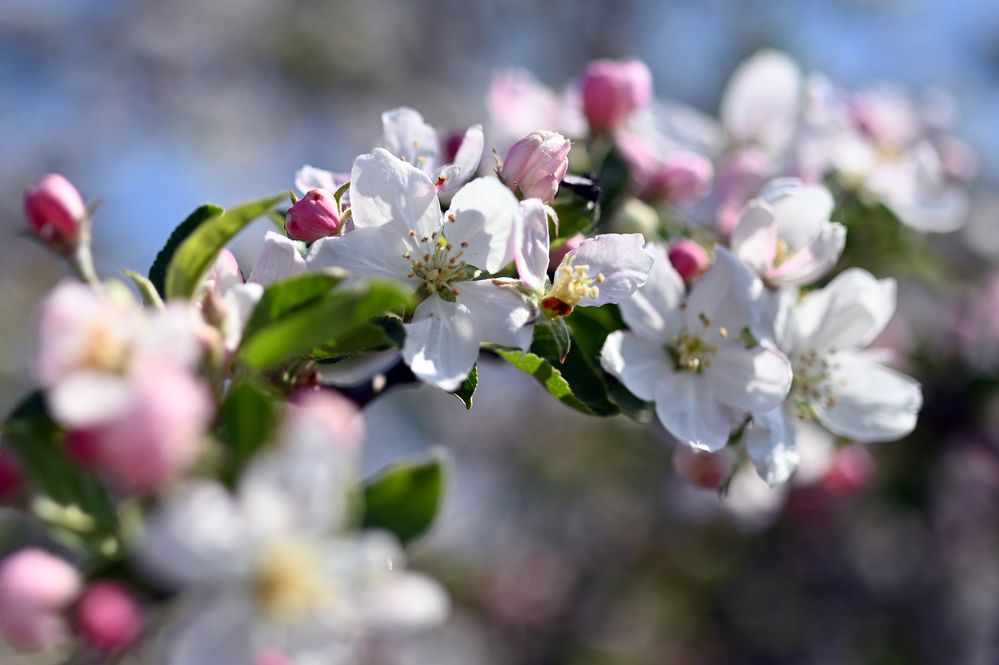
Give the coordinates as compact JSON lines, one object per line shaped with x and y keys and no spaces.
{"x":535,"y":165}
{"x":55,"y":210}
{"x":108,"y":617}
{"x":762,"y":102}
{"x":688,"y":353}
{"x":518,"y":104}
{"x":36,"y":588}
{"x":402,"y":235}
{"x":785,"y":234}
{"x":676,"y":175}
{"x":612,"y":90}
{"x":313,"y":216}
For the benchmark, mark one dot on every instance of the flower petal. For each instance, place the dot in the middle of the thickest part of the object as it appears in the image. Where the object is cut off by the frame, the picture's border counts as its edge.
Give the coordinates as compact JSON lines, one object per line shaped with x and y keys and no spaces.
{"x":279,"y":258}
{"x":500,"y":313}
{"x":770,"y":443}
{"x":638,"y":362}
{"x":85,"y":399}
{"x":408,"y":137}
{"x":531,"y":244}
{"x":813,"y":260}
{"x":724,"y":297}
{"x":800,"y":210}
{"x":483,"y":214}
{"x":442,"y":343}
{"x":406,"y":600}
{"x":654,"y":310}
{"x":754,"y":239}
{"x":848,"y":313}
{"x":755,"y":379}
{"x":384,"y":189}
{"x":365,"y":253}
{"x":762,"y":99}
{"x":689,"y":411}
{"x":218,"y":629}
{"x":872,"y":402}
{"x":466,"y":159}
{"x":308,"y":178}
{"x":620,"y":258}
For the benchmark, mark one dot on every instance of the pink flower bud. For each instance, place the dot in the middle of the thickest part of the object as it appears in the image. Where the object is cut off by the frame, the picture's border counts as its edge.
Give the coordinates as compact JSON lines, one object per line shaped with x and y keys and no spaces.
{"x":556,"y":255}
{"x":313,"y":217}
{"x":613,"y":90}
{"x":108,"y":617}
{"x":851,"y":471}
{"x":689,"y":259}
{"x":271,"y":657}
{"x":536,"y":164}
{"x":707,"y":470}
{"x":11,"y":476}
{"x":35,"y":589}
{"x":674,"y":176}
{"x":55,"y":210}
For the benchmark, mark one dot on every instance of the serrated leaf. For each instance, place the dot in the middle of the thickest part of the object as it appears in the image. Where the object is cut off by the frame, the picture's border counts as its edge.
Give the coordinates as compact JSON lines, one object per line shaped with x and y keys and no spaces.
{"x":196,"y":253}
{"x":405,"y":498}
{"x":334,"y":316}
{"x":158,"y":271}
{"x":466,"y":391}
{"x":150,"y":296}
{"x":246,"y":421}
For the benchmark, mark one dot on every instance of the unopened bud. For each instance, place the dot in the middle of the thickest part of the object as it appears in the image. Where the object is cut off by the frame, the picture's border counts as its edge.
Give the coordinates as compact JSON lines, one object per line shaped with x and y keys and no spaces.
{"x":535,"y":165}
{"x":55,"y":211}
{"x":613,"y":90}
{"x":108,"y":618}
{"x":35,"y":589}
{"x":636,"y":216}
{"x":314,"y":216}
{"x":689,"y":259}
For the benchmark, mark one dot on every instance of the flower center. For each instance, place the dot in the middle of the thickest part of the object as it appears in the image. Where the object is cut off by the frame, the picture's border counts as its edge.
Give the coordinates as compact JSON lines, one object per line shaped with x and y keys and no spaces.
{"x":288,"y":581}
{"x":104,"y":349}
{"x":783,"y":251}
{"x":437,"y":265}
{"x":691,"y":353}
{"x":812,"y":374}
{"x":572,"y":284}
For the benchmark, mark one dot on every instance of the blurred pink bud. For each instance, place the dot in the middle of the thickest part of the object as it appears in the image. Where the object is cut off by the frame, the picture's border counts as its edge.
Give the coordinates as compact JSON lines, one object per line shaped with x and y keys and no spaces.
{"x":959,"y":161}
{"x":55,"y":210}
{"x":271,"y":657}
{"x":689,"y":259}
{"x":613,"y":90}
{"x":851,"y":471}
{"x":108,"y":617}
{"x":35,"y":589}
{"x":314,"y":216}
{"x":336,"y":416}
{"x":11,"y":476}
{"x":556,"y":255}
{"x":536,"y":164}
{"x":675,"y":176}
{"x":154,"y":436}
{"x":707,"y":470}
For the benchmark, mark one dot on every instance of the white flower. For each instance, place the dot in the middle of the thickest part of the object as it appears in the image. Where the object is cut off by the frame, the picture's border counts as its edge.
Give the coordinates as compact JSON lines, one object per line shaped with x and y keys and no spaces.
{"x":836,"y":381}
{"x":262,"y":574}
{"x":785,"y":234}
{"x":601,"y":270}
{"x":401,"y":234}
{"x":689,"y":355}
{"x":762,"y":101}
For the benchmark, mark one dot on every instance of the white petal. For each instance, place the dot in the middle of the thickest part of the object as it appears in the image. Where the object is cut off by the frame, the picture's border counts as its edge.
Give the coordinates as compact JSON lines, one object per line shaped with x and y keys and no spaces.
{"x":280,"y":257}
{"x":654,"y":310}
{"x":799,"y":209}
{"x":689,"y":411}
{"x":848,"y":313}
{"x":221,"y":630}
{"x":531,"y":244}
{"x":365,"y":253}
{"x":638,"y":362}
{"x":356,"y":371}
{"x":406,"y":600}
{"x":85,"y":399}
{"x":197,"y":537}
{"x":813,"y":260}
{"x":484,"y":214}
{"x":770,"y":443}
{"x":442,"y":343}
{"x":500,"y":313}
{"x":387,"y":190}
{"x":724,"y":297}
{"x":762,"y":99}
{"x":408,"y":137}
{"x":308,"y":178}
{"x":754,"y":239}
{"x":873,"y":402}
{"x":620,"y":258}
{"x":466,"y":159}
{"x":754,"y":380}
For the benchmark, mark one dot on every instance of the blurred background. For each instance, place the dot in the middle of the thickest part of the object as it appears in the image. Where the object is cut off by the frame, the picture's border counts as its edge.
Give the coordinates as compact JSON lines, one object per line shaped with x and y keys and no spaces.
{"x":565,"y":539}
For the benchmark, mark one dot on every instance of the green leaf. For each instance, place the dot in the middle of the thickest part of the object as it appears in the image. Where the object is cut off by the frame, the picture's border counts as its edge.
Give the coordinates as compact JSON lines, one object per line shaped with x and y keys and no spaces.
{"x":334,"y":316}
{"x":287,"y":295}
{"x":549,"y":377}
{"x":467,"y":389}
{"x":577,"y":214}
{"x":560,"y":335}
{"x":246,"y":421}
{"x":150,"y":296}
{"x":158,"y":271}
{"x":614,"y":178}
{"x":71,"y":500}
{"x":195,"y":254}
{"x":385,"y":332}
{"x":405,"y":498}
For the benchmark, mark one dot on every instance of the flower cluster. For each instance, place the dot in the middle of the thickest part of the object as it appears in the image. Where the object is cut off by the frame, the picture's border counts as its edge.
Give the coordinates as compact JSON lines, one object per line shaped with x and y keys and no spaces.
{"x":196,"y":471}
